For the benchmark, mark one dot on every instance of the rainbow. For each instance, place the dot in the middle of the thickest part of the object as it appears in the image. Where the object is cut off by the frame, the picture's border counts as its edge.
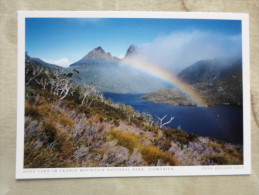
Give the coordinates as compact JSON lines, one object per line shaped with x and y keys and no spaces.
{"x":160,"y":73}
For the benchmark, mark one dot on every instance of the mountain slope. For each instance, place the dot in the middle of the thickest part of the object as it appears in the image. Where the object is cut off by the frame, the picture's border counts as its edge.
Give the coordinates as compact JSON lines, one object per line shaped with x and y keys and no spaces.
{"x":211,"y":70}
{"x":109,"y":74}
{"x":218,"y":81}
{"x":96,"y":56}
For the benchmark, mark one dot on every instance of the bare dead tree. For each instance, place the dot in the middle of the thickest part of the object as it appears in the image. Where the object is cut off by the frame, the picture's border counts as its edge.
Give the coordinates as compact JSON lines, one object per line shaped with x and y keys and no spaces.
{"x":60,"y":83}
{"x":89,"y":93}
{"x":148,"y":118}
{"x":96,"y":95}
{"x":65,"y":89}
{"x":161,"y":124}
{"x":43,"y":82}
{"x":85,"y":92}
{"x":35,"y":71}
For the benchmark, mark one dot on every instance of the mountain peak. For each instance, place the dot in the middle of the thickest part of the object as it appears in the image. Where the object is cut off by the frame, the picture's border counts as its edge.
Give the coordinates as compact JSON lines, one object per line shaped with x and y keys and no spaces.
{"x":98,"y":53}
{"x":99,"y":49}
{"x":132,"y":50}
{"x":95,"y":56}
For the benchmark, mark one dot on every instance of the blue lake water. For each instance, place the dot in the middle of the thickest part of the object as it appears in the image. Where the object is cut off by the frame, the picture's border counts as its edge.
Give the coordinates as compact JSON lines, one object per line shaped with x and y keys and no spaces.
{"x":221,"y":122}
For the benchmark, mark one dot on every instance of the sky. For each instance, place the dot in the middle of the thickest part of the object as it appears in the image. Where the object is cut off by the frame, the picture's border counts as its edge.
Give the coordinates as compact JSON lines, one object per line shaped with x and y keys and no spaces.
{"x":171,"y":43}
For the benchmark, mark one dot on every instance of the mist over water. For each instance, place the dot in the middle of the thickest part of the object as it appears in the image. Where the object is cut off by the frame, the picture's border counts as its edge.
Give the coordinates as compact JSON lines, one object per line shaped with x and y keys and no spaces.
{"x":176,"y":51}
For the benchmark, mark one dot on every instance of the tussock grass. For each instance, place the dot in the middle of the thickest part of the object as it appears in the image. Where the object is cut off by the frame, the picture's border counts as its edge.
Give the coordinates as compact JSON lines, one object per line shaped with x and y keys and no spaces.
{"x":67,"y":122}
{"x":221,"y":159}
{"x":125,"y":139}
{"x":40,"y":157}
{"x":225,"y":154}
{"x":62,"y":142}
{"x":32,"y":111}
{"x":150,"y":154}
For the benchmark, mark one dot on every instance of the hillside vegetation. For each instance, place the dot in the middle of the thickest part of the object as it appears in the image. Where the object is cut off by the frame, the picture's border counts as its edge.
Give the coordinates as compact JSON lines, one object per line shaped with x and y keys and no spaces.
{"x":67,"y":125}
{"x":217,"y":81}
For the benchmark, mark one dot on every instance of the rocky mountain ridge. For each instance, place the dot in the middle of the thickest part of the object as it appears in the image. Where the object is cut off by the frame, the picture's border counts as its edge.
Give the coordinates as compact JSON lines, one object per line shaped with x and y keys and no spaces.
{"x":110,"y":74}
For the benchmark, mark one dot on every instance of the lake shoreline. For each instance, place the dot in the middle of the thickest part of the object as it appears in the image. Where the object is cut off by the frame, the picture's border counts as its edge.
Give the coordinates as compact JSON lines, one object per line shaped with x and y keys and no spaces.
{"x":194,"y":105}
{"x":223,"y":122}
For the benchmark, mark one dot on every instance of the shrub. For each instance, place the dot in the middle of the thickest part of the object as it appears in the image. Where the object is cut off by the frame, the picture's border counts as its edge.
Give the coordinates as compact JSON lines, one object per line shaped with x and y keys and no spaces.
{"x":180,"y":136}
{"x":176,"y":135}
{"x":50,"y":131}
{"x":29,"y":91}
{"x":45,"y":110}
{"x":217,"y":159}
{"x":65,"y":145}
{"x":116,"y":122}
{"x":151,"y":129}
{"x":192,"y":137}
{"x":216,"y":146}
{"x":225,"y":159}
{"x":163,"y":144}
{"x":31,"y":111}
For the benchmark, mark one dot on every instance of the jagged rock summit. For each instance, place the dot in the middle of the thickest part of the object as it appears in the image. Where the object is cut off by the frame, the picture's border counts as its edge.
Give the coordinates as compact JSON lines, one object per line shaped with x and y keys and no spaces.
{"x":132,"y":50}
{"x":98,"y":53}
{"x":111,"y":74}
{"x":96,"y":56}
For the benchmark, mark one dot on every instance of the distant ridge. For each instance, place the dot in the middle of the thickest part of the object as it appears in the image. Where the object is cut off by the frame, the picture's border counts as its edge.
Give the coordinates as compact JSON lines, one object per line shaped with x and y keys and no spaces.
{"x":41,"y":62}
{"x":218,"y":81}
{"x":211,"y":70}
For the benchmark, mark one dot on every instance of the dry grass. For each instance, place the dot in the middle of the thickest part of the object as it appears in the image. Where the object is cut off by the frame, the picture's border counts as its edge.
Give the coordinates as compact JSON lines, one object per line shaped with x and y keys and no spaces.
{"x":125,"y":139}
{"x":152,"y":154}
{"x":40,"y":157}
{"x":67,"y":122}
{"x":31,"y":110}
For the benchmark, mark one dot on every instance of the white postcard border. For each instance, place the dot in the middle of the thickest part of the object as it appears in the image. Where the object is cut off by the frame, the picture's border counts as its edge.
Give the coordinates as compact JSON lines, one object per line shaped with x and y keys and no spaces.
{"x":41,"y":173}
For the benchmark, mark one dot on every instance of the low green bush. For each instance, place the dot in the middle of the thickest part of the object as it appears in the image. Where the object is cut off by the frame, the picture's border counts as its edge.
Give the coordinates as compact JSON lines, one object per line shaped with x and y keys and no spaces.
{"x":180,"y":136}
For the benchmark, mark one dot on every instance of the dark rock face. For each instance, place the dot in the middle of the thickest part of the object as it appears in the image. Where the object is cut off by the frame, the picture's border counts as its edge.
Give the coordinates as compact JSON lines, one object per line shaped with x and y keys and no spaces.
{"x":96,"y":56}
{"x":132,"y":50}
{"x":98,"y":53}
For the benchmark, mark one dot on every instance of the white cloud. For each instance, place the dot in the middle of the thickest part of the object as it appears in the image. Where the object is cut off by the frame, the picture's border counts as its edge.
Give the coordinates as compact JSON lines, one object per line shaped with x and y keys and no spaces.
{"x":122,"y":55}
{"x":179,"y":50}
{"x":64,"y":62}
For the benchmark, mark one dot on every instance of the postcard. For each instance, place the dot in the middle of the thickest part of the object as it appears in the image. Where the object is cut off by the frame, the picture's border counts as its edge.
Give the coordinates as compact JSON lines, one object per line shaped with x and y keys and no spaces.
{"x":132,"y":94}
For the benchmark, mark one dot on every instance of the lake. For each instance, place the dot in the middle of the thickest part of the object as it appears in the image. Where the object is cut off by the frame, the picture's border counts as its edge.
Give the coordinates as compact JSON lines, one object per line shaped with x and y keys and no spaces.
{"x":221,"y":122}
